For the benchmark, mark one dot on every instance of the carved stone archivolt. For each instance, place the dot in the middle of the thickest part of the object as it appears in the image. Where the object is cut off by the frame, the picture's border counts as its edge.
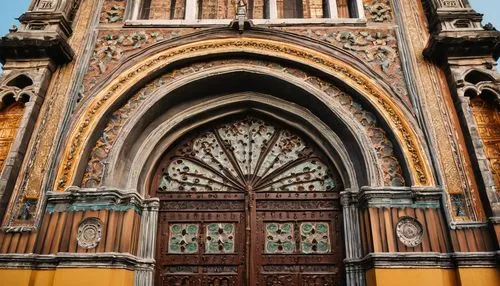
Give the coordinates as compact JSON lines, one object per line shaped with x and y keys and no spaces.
{"x":104,"y":99}
{"x":409,"y":231}
{"x":389,"y":164}
{"x":89,"y":233}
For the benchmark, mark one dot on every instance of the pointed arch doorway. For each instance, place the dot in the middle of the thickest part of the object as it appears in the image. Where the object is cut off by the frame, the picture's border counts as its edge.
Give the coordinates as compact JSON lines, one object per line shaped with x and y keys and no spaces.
{"x":248,"y":201}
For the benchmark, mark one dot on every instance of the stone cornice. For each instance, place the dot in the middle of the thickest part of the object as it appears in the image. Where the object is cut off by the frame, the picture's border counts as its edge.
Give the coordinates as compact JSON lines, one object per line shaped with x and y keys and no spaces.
{"x":72,"y":260}
{"x":132,"y":262}
{"x":427,"y":260}
{"x":394,"y":197}
{"x":448,"y":44}
{"x":75,"y":199}
{"x":30,"y":46}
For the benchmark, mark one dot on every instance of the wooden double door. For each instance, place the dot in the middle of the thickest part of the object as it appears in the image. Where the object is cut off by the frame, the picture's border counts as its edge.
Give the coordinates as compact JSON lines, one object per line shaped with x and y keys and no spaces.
{"x":250,"y":239}
{"x":247,"y":203}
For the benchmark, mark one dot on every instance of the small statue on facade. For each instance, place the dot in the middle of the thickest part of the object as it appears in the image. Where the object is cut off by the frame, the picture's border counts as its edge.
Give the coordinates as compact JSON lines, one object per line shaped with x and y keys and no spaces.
{"x":25,"y":213}
{"x":241,"y":18}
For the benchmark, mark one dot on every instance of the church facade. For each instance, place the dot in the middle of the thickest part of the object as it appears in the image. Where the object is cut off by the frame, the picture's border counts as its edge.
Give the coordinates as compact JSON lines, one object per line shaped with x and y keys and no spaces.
{"x":207,"y":142}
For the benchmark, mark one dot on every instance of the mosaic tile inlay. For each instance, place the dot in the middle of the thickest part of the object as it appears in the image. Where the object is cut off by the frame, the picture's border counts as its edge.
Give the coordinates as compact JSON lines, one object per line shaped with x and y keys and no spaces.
{"x":220,"y":238}
{"x":280,"y":238}
{"x":183,"y":239}
{"x":314,"y":237}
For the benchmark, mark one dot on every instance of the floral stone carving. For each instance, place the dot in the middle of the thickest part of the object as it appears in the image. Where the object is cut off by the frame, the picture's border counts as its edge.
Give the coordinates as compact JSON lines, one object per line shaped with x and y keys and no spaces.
{"x":378,"y":10}
{"x":390,"y":165}
{"x":89,"y":232}
{"x":113,"y":11}
{"x":409,"y":231}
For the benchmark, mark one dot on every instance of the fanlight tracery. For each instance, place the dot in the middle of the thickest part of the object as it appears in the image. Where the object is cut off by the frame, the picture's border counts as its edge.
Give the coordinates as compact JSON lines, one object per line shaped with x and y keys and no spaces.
{"x":243,"y":155}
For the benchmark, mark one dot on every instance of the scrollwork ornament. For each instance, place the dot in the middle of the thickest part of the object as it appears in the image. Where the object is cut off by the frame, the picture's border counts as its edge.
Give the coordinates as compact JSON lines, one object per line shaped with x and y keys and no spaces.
{"x":89,"y":233}
{"x":409,"y":231}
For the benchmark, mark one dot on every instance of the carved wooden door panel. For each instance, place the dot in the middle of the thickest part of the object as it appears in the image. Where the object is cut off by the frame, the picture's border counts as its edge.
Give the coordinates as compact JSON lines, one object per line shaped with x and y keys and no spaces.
{"x":247,"y":203}
{"x":299,"y":239}
{"x":201,"y":239}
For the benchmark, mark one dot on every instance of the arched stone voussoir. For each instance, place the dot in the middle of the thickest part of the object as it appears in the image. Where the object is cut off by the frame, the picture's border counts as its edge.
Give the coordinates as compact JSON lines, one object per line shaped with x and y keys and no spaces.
{"x":318,"y":108}
{"x":392,"y":115}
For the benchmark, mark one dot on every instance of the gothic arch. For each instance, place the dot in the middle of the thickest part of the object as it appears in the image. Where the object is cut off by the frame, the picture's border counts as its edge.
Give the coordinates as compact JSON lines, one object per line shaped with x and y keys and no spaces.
{"x":131,"y":134}
{"x":119,"y":88}
{"x":166,"y":133}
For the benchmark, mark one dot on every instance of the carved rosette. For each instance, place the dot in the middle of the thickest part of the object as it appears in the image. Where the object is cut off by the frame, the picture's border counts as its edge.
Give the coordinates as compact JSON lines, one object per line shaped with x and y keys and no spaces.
{"x":409,"y":231}
{"x":89,"y":232}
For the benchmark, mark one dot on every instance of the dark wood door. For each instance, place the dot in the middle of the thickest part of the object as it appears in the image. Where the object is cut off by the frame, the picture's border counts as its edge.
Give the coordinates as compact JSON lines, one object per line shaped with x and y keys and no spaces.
{"x":248,"y":203}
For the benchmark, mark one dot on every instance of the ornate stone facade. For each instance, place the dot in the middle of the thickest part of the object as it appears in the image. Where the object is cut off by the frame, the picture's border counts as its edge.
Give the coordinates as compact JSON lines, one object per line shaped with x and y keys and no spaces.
{"x":339,"y":142}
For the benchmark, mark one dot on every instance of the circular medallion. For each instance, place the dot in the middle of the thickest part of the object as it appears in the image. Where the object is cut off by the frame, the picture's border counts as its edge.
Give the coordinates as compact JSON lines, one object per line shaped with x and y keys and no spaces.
{"x":409,"y":231}
{"x":89,"y":232}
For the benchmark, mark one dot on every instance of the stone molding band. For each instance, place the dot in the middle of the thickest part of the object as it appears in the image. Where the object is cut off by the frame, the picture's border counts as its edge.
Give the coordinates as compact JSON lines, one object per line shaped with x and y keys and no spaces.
{"x":132,"y":262}
{"x":427,"y":260}
{"x":420,"y":169}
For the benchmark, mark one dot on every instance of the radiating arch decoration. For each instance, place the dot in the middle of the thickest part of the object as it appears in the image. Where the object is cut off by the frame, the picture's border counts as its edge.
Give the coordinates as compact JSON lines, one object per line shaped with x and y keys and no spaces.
{"x":101,"y":103}
{"x":388,"y":165}
{"x":246,"y":154}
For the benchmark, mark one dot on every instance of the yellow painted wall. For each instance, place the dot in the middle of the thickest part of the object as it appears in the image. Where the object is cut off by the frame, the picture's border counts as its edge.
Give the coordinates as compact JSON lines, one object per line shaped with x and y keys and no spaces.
{"x":67,"y":276}
{"x":479,"y":276}
{"x":375,"y":277}
{"x":434,"y":277}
